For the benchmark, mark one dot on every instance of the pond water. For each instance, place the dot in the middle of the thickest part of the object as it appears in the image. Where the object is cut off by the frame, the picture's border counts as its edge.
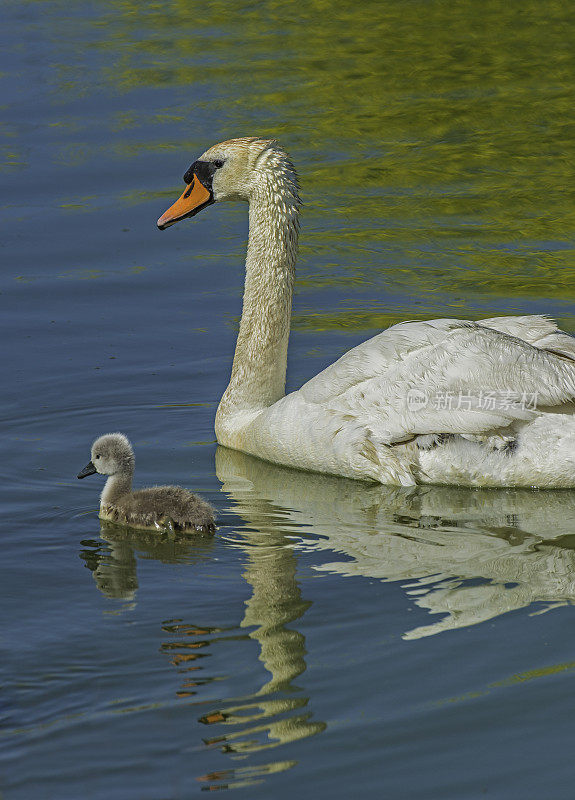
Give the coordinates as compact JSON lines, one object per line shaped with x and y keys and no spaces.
{"x":333,"y":637}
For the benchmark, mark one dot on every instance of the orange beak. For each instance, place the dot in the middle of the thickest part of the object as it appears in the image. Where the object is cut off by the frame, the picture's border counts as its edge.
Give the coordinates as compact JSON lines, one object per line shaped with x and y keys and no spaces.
{"x":195,"y":197}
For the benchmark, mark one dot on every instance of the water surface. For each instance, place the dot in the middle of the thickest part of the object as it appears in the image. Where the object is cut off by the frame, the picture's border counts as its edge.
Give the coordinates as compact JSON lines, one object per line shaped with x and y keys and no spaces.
{"x":334,"y":637}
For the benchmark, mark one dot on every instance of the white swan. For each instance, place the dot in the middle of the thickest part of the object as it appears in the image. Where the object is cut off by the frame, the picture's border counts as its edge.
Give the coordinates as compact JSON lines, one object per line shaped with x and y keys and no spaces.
{"x":501,"y":389}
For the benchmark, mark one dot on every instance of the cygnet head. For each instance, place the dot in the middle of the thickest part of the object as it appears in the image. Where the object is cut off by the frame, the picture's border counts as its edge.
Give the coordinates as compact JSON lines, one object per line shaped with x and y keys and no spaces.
{"x":239,"y":169}
{"x":111,"y":454}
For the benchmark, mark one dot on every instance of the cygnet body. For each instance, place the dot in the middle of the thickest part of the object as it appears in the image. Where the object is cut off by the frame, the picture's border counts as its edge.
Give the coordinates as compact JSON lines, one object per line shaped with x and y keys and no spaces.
{"x":159,"y":508}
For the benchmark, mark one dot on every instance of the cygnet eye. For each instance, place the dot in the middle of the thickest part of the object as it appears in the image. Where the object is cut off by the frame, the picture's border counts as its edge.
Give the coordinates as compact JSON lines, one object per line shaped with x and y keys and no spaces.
{"x":218,"y":163}
{"x":97,"y":456}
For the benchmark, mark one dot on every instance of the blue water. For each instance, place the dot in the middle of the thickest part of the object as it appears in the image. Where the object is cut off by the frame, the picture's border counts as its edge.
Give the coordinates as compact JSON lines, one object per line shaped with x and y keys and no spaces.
{"x":332,"y":638}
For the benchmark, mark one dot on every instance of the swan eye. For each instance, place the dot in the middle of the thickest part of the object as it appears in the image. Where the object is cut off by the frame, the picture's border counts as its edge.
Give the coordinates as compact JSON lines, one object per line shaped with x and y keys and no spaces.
{"x":97,"y":457}
{"x":218,"y":163}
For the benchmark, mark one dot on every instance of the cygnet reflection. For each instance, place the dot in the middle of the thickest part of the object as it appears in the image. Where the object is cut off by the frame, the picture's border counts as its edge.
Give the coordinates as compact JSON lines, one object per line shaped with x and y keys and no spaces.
{"x":113,"y":559}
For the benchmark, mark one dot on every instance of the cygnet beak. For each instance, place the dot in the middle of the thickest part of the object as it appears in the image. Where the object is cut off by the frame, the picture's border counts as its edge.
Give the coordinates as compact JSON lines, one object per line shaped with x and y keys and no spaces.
{"x":89,"y":469}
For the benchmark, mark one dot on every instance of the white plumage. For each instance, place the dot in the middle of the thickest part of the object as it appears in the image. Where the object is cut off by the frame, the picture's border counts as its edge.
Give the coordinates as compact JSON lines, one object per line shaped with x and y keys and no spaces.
{"x":443,"y":401}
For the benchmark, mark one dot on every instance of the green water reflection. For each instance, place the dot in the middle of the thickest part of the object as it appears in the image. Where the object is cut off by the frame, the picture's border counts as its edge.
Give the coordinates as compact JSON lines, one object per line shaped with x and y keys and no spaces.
{"x":435,"y":140}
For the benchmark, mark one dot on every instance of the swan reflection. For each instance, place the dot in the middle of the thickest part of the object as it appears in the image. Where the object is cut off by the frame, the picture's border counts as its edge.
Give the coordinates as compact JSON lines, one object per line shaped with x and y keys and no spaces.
{"x":277,"y":712}
{"x":466,"y":554}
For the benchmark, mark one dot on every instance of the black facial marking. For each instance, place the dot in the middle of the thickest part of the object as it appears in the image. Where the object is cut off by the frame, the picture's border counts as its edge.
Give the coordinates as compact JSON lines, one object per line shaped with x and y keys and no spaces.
{"x":204,"y":170}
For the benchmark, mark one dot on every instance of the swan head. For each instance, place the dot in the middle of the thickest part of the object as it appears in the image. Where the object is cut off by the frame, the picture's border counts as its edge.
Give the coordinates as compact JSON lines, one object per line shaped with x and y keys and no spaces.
{"x":239,"y":169}
{"x":111,"y":454}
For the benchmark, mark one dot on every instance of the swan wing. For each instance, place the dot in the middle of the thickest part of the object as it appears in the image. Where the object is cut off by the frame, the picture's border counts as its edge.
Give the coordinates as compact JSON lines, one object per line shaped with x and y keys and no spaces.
{"x":448,"y":376}
{"x":540,"y":331}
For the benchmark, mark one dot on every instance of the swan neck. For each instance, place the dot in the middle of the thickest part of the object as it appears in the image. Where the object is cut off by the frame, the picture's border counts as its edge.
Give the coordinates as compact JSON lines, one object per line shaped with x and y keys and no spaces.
{"x":260,"y":360}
